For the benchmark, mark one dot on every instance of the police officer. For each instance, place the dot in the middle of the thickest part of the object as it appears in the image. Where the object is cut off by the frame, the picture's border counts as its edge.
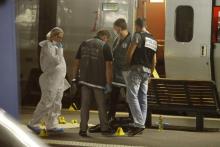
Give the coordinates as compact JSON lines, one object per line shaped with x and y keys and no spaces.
{"x":142,"y":58}
{"x":94,"y":60}
{"x":120,"y":48}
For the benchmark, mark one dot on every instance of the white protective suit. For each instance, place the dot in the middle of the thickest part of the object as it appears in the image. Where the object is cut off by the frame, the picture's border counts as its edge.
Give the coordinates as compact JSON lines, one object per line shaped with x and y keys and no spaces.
{"x":52,"y":83}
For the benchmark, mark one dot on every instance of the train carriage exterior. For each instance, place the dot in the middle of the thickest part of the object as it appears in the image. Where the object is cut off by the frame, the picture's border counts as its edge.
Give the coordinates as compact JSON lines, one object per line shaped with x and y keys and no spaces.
{"x":189,"y":53}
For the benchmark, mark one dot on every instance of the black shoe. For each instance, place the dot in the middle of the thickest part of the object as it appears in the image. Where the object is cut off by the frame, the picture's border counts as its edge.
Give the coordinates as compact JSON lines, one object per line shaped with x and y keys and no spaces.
{"x":95,"y":129}
{"x":110,"y":119}
{"x":134,"y":131}
{"x":34,"y":129}
{"x":108,"y":132}
{"x":83,"y":133}
{"x":111,"y":116}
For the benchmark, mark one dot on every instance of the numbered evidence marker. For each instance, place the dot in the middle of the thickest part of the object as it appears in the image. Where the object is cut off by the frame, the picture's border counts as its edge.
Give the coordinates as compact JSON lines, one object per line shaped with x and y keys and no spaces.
{"x":119,"y":132}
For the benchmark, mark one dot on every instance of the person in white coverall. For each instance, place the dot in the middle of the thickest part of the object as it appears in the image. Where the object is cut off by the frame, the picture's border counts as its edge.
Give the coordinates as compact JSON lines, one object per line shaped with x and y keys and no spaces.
{"x":52,"y":82}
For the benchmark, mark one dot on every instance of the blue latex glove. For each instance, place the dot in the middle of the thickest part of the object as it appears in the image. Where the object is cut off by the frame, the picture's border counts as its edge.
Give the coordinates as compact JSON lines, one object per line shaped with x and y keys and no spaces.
{"x":108,"y":88}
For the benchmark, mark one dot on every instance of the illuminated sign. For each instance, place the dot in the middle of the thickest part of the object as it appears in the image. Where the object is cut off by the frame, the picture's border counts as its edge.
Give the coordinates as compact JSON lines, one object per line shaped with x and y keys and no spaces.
{"x":156,"y":1}
{"x":110,"y":7}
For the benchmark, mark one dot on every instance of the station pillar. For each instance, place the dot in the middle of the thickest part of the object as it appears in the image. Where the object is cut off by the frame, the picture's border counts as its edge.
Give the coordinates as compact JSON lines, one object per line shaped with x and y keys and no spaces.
{"x":47,"y":18}
{"x":9,"y":95}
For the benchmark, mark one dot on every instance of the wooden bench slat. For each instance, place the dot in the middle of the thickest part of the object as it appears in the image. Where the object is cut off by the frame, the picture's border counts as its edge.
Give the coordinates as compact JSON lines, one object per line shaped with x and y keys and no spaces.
{"x":184,"y":94}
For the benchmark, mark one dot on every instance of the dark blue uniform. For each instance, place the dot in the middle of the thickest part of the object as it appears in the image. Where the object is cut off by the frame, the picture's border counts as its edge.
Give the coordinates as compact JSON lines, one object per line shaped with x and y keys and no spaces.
{"x":120,"y":48}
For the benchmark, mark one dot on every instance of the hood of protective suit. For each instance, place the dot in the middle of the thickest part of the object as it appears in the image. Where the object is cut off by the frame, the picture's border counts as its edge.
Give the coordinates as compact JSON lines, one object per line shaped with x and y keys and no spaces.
{"x":53,"y":65}
{"x":43,"y":43}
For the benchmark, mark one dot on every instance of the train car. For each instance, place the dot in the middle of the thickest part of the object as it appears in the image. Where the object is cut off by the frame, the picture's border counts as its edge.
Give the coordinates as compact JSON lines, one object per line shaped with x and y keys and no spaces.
{"x":187,"y":33}
{"x":81,"y":19}
{"x":190,"y":52}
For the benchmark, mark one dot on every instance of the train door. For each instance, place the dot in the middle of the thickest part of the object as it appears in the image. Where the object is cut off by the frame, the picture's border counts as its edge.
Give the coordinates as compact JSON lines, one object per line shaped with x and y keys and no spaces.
{"x":154,"y":14}
{"x":188,"y":39}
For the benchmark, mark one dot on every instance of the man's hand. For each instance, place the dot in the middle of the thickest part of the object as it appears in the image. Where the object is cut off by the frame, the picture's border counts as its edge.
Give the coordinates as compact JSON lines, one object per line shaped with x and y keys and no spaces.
{"x":108,"y":89}
{"x":130,"y":52}
{"x":76,"y":70}
{"x":108,"y":72}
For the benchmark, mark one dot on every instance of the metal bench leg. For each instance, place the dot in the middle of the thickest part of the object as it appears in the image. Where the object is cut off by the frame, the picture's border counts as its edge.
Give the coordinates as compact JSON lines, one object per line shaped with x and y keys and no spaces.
{"x":199,"y":122}
{"x":149,"y":119}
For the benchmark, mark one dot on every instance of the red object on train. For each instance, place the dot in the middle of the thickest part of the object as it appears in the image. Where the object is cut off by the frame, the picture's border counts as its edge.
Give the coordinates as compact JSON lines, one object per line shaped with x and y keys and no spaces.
{"x":216,"y":25}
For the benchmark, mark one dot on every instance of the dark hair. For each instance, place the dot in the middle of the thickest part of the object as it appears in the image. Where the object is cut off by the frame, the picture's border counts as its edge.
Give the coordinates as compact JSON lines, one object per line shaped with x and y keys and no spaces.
{"x":103,"y":33}
{"x":121,"y":23}
{"x":140,"y":22}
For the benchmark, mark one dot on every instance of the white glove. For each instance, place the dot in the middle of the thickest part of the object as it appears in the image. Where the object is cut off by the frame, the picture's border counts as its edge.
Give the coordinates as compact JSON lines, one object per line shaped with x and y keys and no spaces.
{"x":60,"y":52}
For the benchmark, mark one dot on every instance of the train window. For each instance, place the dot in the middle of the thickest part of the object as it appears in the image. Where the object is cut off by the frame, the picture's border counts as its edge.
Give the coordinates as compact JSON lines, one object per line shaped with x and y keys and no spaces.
{"x":110,"y":7}
{"x":184,"y":23}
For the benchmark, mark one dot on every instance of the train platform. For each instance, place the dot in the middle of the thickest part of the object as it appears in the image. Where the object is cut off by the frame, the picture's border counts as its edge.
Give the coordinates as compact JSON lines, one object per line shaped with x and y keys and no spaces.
{"x":150,"y":137}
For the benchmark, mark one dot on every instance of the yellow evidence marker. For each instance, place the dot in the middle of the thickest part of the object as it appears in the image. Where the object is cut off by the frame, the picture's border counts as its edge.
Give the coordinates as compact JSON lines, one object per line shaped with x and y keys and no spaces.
{"x":155,"y":74}
{"x":42,"y":125}
{"x":61,"y":120}
{"x":119,"y":132}
{"x":43,"y":133}
{"x":74,"y":121}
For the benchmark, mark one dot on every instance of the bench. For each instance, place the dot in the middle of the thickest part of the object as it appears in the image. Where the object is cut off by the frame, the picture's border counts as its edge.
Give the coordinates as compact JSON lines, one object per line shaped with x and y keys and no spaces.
{"x":199,"y":98}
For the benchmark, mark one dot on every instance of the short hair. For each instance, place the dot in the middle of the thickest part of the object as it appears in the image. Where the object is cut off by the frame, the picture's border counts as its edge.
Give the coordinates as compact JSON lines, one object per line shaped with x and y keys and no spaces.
{"x":140,"y":22}
{"x":103,"y":33}
{"x":121,"y":23}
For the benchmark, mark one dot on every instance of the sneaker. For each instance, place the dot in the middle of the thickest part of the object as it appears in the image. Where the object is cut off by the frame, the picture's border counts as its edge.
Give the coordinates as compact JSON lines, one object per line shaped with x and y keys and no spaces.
{"x":34,"y":129}
{"x":56,"y":130}
{"x":135,"y":131}
{"x":83,"y":133}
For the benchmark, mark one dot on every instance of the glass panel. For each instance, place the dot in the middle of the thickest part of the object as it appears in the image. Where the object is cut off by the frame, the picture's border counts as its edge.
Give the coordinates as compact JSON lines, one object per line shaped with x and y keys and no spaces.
{"x":110,"y":7}
{"x":156,"y":1}
{"x":109,"y":17}
{"x":8,"y":139}
{"x":27,"y":24}
{"x":79,"y":19}
{"x":184,"y":23}
{"x":27,"y":37}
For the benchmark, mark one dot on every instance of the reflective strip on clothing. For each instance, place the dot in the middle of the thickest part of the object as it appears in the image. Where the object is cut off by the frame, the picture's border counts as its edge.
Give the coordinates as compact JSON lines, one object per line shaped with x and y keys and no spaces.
{"x":91,"y":85}
{"x":118,"y":84}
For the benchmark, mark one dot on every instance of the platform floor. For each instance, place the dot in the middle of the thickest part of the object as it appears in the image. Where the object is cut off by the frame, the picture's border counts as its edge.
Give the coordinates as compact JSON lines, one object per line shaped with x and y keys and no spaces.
{"x":150,"y":137}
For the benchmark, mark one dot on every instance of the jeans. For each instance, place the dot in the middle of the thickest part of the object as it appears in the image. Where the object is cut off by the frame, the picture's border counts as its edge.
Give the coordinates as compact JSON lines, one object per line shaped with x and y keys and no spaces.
{"x":137,"y":87}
